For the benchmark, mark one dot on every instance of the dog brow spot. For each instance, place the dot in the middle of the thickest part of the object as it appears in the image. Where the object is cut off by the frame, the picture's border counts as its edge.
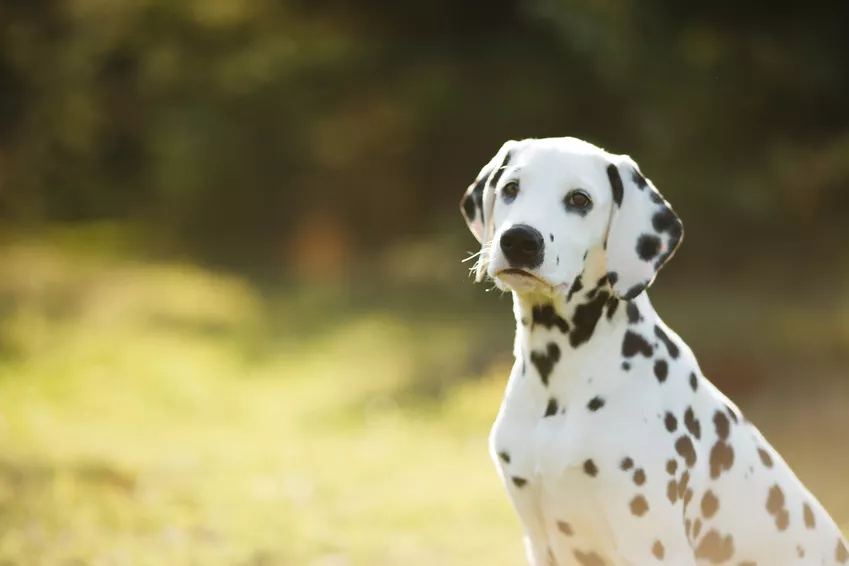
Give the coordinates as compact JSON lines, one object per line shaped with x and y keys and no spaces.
{"x":595,"y":403}
{"x":590,"y":468}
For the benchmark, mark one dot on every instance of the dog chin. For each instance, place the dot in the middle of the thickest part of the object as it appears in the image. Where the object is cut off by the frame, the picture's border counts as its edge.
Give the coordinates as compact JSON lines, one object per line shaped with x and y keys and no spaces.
{"x":525,"y":283}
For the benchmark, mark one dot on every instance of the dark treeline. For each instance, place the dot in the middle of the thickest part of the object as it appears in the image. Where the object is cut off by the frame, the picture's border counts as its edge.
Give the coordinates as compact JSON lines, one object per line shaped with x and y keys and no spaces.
{"x":229,"y":127}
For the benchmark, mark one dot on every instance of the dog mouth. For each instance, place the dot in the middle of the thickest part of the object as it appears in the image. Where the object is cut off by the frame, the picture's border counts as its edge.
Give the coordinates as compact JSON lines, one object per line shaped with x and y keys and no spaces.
{"x":526,"y":277}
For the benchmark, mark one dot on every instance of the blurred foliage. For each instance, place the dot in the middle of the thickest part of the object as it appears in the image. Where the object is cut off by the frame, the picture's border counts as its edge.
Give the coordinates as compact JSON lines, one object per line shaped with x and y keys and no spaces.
{"x":261,"y":133}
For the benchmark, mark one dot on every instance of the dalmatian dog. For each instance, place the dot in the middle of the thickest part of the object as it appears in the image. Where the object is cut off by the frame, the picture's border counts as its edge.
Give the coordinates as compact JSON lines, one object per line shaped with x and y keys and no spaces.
{"x":612,"y":445}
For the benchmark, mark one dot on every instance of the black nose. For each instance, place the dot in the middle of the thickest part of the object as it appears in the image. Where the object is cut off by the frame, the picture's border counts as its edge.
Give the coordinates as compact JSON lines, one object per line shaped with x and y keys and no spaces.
{"x":522,"y":246}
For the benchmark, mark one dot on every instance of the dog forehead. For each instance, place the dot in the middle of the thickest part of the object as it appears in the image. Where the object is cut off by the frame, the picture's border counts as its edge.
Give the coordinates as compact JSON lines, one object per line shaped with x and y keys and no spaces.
{"x":562,"y":163}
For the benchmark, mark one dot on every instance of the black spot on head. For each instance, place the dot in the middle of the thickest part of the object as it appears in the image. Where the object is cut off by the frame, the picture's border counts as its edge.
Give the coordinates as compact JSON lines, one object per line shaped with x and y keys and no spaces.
{"x":648,"y":246}
{"x":577,"y":285}
{"x":661,"y":370}
{"x":664,"y":220}
{"x":634,"y":344}
{"x":671,"y":347}
{"x":519,"y":482}
{"x":551,"y":237}
{"x":493,"y":181}
{"x":626,"y":464}
{"x":585,"y":318}
{"x":612,"y":305}
{"x":588,"y":559}
{"x":590,"y":468}
{"x":551,"y":408}
{"x":671,"y":422}
{"x":546,"y":316}
{"x":692,"y":423}
{"x":766,"y":459}
{"x":626,"y":366}
{"x":723,"y":427}
{"x":639,"y":506}
{"x":808,"y":514}
{"x":721,"y":458}
{"x":714,"y":548}
{"x":505,"y":457}
{"x":634,"y":315}
{"x":565,"y":528}
{"x":639,"y":476}
{"x":638,"y":179}
{"x":615,"y":184}
{"x":545,"y":361}
{"x":595,"y":403}
{"x":684,"y":447}
{"x":657,"y":550}
{"x":694,"y":382}
{"x":710,"y":504}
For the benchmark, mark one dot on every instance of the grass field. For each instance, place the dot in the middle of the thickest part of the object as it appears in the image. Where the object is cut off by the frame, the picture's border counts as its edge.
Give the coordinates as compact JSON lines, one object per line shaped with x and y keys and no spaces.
{"x":158,"y":414}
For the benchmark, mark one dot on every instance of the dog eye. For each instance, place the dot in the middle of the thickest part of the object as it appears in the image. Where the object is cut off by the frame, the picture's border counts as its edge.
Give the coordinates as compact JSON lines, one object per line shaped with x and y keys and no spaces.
{"x":510,"y":190}
{"x":578,"y":199}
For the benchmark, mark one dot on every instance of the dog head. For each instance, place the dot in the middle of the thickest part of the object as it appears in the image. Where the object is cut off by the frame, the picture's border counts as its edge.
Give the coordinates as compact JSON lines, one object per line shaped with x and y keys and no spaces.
{"x":541,"y":207}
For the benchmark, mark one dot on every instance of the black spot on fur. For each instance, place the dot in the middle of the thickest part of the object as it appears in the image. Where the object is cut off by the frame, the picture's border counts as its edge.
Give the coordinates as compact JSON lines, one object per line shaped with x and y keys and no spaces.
{"x":590,"y":468}
{"x":671,"y":347}
{"x":808,"y":514}
{"x":519,"y":482}
{"x":634,"y":315}
{"x":612,"y":305}
{"x":692,"y":423}
{"x":715,"y":548}
{"x":634,"y":291}
{"x":723,"y":427}
{"x":585,"y":319}
{"x":639,"y":476}
{"x":500,"y":171}
{"x":648,"y":246}
{"x":672,"y":491}
{"x":671,"y":422}
{"x":710,"y":504}
{"x":545,"y":361}
{"x":685,"y":449}
{"x":639,"y":506}
{"x":634,"y":344}
{"x":661,"y":370}
{"x":657,"y":550}
{"x":626,"y":366}
{"x":615,"y":184}
{"x":671,"y":467}
{"x":577,"y":285}
{"x":775,"y":507}
{"x":612,"y":277}
{"x":505,"y":457}
{"x":588,"y":559}
{"x":626,"y":464}
{"x":697,"y":528}
{"x":682,"y":483}
{"x":638,"y":179}
{"x":664,"y":220}
{"x":595,"y":403}
{"x":732,"y":414}
{"x":565,"y":528}
{"x":545,"y":315}
{"x":551,"y":237}
{"x":766,"y":459}
{"x":551,"y":408}
{"x":694,"y":382}
{"x":469,"y":202}
{"x":721,"y":458}
{"x":841,"y":554}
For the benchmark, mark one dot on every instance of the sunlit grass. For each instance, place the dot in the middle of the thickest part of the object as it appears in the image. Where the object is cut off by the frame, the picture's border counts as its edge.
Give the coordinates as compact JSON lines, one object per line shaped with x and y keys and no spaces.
{"x":149,"y":415}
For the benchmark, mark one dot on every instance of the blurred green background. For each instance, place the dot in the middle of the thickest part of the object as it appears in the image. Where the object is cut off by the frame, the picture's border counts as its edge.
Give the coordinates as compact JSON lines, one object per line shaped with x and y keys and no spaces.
{"x":234,"y":323}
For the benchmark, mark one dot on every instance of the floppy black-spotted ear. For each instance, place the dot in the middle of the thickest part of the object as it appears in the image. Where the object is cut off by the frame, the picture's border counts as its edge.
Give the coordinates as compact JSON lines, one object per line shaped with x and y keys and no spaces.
{"x":478,"y":201}
{"x":644,"y":231}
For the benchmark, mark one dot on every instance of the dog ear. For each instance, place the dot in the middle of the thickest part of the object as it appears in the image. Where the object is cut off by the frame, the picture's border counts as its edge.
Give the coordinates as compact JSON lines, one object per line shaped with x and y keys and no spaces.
{"x":643,"y":232}
{"x":478,"y":201}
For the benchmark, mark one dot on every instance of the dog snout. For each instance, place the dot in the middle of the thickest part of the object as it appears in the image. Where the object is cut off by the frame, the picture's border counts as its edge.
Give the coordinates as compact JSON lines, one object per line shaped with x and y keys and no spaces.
{"x":523,"y":246}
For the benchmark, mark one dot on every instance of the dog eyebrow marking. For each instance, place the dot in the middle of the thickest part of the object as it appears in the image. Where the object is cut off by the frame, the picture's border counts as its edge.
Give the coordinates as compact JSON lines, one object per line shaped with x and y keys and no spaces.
{"x":500,"y":171}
